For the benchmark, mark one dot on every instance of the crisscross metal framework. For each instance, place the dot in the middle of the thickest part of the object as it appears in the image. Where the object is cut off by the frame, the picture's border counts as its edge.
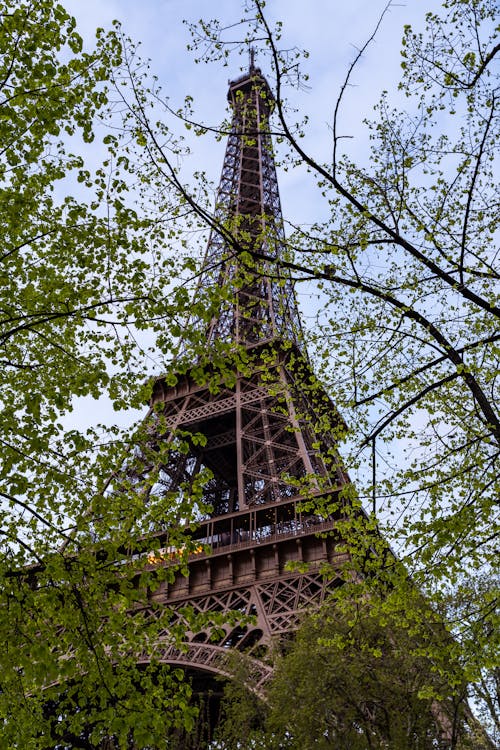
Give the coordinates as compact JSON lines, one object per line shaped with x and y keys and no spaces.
{"x":261,"y":437}
{"x":248,"y":207}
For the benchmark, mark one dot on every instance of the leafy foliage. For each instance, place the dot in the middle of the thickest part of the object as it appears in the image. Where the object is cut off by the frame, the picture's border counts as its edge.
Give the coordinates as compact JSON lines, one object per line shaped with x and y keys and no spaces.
{"x":407,"y":268}
{"x":80,"y":277}
{"x":350,"y":681}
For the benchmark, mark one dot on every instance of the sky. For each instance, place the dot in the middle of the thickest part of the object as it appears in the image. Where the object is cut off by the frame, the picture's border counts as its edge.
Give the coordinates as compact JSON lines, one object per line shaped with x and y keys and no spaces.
{"x":331,"y":30}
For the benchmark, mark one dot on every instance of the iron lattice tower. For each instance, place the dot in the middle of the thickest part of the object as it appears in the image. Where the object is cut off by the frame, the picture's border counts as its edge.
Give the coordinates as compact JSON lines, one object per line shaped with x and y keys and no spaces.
{"x":261,"y":442}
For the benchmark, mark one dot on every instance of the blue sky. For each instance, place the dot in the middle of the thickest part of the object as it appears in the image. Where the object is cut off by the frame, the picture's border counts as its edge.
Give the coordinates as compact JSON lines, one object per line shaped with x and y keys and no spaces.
{"x":330,"y":30}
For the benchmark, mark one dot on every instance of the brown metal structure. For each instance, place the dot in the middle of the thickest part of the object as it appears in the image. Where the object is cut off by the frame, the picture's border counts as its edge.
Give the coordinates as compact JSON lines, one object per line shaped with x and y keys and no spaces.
{"x":264,"y":442}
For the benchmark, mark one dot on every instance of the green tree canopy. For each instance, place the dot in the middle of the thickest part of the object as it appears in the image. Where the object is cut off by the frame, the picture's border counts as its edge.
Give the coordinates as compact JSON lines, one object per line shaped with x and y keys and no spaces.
{"x":406,"y":337}
{"x":348,"y":680}
{"x":82,"y":272}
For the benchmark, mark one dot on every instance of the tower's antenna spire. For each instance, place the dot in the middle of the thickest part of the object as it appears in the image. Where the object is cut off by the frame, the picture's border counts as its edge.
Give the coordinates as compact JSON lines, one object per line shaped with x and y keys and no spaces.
{"x":252,"y":58}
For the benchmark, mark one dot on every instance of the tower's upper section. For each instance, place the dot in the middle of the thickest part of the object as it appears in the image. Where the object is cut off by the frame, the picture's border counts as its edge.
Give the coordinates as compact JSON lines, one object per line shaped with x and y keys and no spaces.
{"x":261,"y":303}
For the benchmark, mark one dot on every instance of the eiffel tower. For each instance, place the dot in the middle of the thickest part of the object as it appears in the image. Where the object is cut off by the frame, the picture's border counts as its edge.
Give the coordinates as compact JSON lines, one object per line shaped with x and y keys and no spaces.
{"x":262,"y":443}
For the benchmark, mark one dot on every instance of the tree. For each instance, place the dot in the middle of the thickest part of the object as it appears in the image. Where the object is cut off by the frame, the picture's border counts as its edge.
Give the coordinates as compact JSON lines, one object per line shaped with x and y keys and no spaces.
{"x":477,"y":638}
{"x":346,"y":681}
{"x":408,"y":237}
{"x":82,"y":273}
